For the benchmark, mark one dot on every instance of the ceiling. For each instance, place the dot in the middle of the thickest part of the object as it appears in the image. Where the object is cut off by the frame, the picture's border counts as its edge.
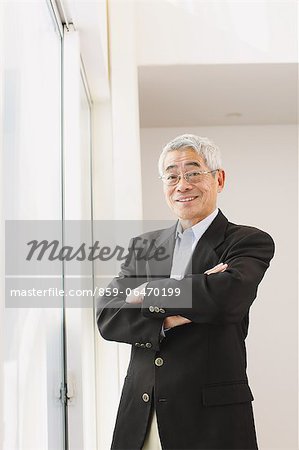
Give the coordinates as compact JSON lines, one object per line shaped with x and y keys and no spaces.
{"x":217,"y":94}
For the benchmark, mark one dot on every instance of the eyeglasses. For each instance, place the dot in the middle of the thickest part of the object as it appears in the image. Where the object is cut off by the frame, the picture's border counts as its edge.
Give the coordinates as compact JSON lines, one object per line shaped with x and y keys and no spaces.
{"x":171,"y":179}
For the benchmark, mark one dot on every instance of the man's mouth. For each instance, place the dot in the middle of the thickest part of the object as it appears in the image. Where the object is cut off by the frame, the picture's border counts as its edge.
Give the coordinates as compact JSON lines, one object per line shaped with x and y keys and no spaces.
{"x":186,"y":199}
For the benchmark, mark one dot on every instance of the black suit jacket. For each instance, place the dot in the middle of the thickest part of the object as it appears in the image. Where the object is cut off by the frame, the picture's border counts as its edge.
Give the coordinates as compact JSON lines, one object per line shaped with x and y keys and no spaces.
{"x":199,"y":386}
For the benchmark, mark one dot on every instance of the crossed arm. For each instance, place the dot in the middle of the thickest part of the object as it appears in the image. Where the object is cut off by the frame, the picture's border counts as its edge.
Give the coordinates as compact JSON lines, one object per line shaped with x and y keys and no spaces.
{"x":221,"y":295}
{"x":137,"y":297}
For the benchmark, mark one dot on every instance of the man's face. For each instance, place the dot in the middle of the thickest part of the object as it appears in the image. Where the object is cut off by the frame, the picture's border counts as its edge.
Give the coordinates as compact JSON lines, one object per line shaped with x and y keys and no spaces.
{"x":191,"y":202}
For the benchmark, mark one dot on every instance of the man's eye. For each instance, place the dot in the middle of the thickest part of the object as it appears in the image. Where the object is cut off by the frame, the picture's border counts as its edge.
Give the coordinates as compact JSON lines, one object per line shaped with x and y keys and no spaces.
{"x":172,"y":176}
{"x":193,"y":174}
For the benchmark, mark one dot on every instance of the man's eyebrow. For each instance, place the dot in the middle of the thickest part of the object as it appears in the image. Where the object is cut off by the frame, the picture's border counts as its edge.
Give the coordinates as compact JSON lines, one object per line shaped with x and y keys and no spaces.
{"x":190,"y":163}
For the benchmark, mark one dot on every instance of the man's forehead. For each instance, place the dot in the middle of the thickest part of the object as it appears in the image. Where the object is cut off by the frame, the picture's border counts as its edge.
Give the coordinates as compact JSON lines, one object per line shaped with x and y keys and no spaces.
{"x":183,"y":158}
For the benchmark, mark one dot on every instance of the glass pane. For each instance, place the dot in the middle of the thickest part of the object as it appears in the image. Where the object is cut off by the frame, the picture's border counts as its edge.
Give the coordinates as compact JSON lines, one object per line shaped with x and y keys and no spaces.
{"x":33,"y":371}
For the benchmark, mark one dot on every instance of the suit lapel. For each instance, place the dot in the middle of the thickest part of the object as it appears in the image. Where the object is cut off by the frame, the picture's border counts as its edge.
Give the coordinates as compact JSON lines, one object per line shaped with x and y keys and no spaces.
{"x":204,"y":256}
{"x":165,"y":241}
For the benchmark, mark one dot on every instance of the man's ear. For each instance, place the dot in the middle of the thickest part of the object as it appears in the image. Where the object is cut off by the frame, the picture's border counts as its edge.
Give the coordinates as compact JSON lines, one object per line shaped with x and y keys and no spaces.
{"x":220,"y":179}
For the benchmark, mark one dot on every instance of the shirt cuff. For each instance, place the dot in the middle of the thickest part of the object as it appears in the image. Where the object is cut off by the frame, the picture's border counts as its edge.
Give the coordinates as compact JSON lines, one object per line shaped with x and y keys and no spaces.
{"x":162,"y":332}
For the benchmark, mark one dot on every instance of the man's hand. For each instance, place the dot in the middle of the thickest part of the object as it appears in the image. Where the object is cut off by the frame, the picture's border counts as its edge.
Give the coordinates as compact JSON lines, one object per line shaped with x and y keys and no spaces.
{"x":136,"y":295}
{"x":217,"y":269}
{"x":174,"y":321}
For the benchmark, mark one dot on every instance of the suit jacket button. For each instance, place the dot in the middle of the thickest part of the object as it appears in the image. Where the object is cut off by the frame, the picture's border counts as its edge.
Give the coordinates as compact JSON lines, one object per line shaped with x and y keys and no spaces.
{"x":159,"y":362}
{"x":142,"y":345}
{"x":148,"y":345}
{"x":156,"y":309}
{"x":162,"y":310}
{"x":145,"y":397}
{"x":151,"y":308}
{"x":137,"y":344}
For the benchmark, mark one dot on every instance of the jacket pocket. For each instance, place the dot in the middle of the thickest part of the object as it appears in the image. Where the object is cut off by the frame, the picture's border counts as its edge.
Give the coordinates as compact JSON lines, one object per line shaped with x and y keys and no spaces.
{"x":227,"y":393}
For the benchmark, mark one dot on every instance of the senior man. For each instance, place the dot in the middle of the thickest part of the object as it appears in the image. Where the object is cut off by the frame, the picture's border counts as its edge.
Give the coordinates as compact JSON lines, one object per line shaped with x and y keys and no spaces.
{"x":187,"y":319}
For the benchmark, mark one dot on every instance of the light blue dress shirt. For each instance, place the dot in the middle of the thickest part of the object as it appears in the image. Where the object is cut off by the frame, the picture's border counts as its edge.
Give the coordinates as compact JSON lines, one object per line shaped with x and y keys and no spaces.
{"x":198,"y":230}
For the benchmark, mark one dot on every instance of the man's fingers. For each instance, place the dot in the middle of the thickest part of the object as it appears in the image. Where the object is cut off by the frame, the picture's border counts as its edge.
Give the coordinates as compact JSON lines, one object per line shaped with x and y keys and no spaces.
{"x":217,"y":269}
{"x":134,"y":299}
{"x":136,"y":295}
{"x":180,"y":320}
{"x":174,"y":321}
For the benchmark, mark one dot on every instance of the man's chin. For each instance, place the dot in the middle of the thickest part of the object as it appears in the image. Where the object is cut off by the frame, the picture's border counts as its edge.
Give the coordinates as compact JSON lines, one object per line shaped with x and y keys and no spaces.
{"x":187,"y":215}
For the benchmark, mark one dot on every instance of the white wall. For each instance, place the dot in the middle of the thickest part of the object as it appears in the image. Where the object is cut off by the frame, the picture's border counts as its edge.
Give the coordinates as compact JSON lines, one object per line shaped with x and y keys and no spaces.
{"x":261,"y":190}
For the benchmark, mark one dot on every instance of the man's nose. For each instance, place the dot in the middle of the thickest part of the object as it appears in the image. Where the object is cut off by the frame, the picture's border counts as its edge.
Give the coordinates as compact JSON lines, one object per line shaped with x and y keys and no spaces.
{"x":183,"y":185}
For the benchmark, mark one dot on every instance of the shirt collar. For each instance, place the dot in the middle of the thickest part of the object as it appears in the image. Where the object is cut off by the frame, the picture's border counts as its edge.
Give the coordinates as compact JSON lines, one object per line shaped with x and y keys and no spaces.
{"x":200,"y":227}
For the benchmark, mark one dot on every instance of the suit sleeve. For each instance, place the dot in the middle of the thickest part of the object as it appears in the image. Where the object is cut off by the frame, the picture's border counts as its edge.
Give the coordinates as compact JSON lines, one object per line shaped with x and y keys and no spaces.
{"x":217,"y":298}
{"x":123,"y":322}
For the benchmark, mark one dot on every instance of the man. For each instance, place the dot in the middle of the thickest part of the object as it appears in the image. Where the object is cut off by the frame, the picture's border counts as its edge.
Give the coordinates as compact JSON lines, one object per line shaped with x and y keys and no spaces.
{"x":187,"y":320}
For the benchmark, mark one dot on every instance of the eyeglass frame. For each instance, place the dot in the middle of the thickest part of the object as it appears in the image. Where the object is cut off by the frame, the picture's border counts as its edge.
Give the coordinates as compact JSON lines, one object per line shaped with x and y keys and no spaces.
{"x":200,"y":172}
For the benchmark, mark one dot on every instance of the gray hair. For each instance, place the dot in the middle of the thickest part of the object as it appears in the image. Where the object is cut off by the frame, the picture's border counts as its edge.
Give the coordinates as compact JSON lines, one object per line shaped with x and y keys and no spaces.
{"x":202,"y":145}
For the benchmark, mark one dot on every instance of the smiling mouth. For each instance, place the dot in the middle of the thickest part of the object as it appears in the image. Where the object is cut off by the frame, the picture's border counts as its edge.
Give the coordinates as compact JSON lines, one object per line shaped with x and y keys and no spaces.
{"x":186,"y":199}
